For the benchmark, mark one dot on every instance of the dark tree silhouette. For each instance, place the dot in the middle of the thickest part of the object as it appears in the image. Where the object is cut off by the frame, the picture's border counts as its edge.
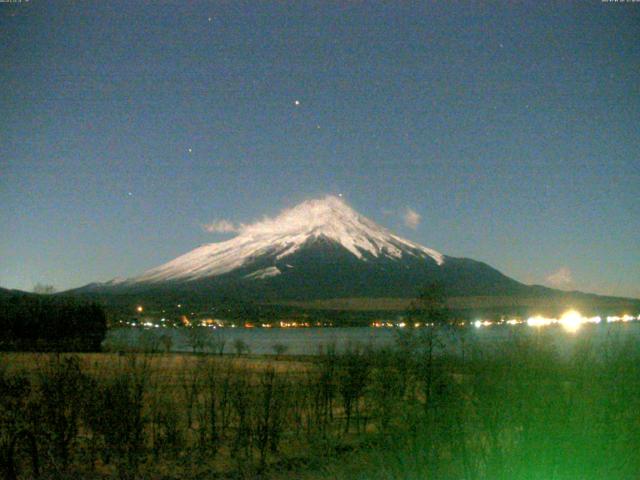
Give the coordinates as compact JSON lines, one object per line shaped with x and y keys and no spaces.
{"x":50,"y":323}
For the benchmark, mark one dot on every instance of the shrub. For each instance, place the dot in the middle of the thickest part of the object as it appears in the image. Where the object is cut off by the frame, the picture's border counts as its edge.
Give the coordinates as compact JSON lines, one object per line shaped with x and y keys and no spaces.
{"x":62,"y":389}
{"x":240,"y":347}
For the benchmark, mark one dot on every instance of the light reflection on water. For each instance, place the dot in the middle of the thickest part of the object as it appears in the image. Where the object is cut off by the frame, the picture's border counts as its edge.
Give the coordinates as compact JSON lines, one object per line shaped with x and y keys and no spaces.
{"x":309,"y":341}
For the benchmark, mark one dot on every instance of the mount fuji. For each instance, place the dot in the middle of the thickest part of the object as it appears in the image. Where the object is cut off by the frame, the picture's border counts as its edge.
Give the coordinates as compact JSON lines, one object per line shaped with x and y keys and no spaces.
{"x":319,"y":249}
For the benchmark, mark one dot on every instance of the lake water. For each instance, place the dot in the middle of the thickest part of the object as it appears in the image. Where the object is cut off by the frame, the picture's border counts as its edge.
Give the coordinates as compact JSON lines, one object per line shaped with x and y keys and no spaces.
{"x":309,"y":341}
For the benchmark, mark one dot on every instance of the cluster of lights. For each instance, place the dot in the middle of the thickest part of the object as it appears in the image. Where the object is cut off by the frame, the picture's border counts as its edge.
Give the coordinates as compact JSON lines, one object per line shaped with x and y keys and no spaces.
{"x":482,"y":323}
{"x":294,"y":324}
{"x":402,"y":324}
{"x":218,"y":324}
{"x":143,"y":324}
{"x":624,"y":318}
{"x":380,"y":324}
{"x":570,"y":321}
{"x":211,"y":322}
{"x":488,"y":323}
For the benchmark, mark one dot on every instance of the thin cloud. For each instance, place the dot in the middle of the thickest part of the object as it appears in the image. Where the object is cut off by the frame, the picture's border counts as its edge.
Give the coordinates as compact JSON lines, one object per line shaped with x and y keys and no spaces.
{"x":411,"y":218}
{"x":221,"y":226}
{"x":562,"y":277}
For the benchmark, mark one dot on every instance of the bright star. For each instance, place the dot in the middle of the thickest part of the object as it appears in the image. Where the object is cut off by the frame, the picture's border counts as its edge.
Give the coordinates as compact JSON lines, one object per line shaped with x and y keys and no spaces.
{"x":190,"y":150}
{"x":297,"y":103}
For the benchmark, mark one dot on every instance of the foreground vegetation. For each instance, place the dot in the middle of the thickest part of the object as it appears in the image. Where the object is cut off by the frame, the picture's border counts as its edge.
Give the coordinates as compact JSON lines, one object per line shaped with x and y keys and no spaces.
{"x":515,"y":411}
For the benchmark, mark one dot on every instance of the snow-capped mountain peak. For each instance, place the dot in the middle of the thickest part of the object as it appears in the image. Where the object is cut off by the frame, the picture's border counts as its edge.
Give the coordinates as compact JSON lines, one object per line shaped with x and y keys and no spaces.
{"x":328,"y":218}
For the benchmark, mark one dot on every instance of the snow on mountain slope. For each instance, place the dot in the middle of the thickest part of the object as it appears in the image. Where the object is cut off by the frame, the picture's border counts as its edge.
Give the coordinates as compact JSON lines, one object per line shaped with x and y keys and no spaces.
{"x":329,"y":218}
{"x":264,"y":273}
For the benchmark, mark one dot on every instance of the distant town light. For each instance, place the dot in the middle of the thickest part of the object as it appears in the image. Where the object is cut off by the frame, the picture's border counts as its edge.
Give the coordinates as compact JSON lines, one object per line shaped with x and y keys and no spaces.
{"x":571,"y":321}
{"x":482,"y":323}
{"x":539,"y":321}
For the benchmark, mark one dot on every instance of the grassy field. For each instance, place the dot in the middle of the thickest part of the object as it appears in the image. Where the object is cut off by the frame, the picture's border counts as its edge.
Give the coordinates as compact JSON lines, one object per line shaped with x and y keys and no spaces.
{"x":169,"y":365}
{"x":515,"y":411}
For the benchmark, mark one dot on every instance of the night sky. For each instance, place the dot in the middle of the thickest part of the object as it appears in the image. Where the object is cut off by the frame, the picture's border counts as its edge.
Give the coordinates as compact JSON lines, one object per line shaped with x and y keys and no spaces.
{"x":505,"y":133}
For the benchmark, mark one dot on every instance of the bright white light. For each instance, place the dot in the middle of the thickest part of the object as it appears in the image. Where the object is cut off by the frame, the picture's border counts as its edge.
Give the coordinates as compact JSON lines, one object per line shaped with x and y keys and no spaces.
{"x":571,"y":321}
{"x":539,"y":321}
{"x":482,"y":323}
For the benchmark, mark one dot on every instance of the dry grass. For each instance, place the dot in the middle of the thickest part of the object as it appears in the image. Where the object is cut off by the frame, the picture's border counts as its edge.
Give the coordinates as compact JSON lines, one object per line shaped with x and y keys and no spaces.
{"x":167,"y":364}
